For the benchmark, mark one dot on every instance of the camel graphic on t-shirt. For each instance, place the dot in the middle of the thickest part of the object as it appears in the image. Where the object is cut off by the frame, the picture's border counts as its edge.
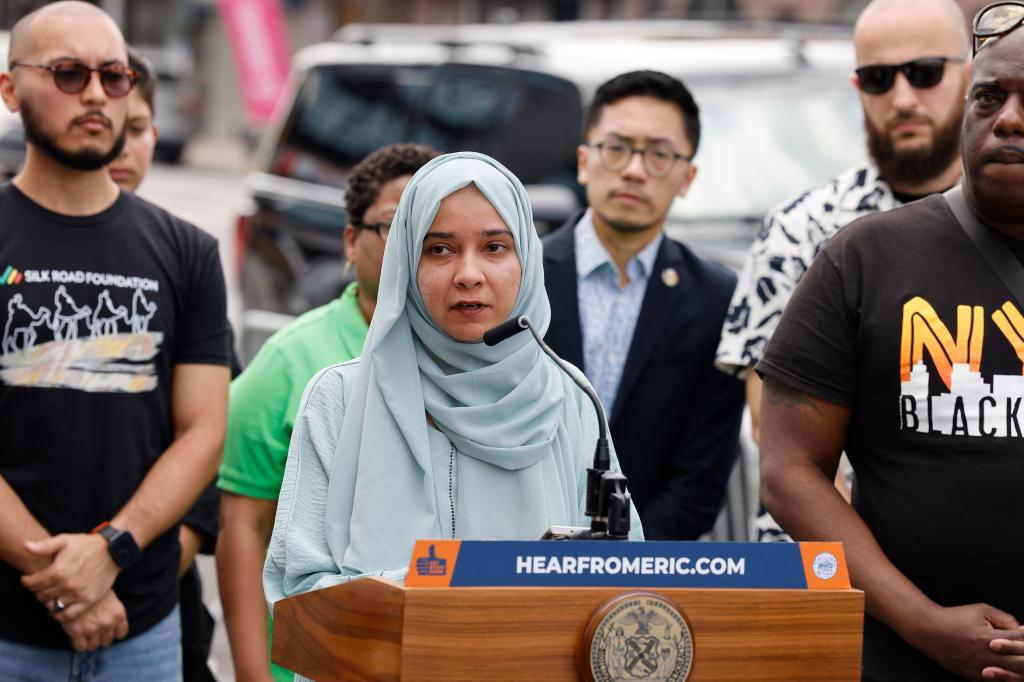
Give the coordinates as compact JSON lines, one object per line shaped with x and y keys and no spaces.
{"x":21,"y":324}
{"x":66,"y":315}
{"x":115,"y":354}
{"x":142,"y":312}
{"x":105,"y":317}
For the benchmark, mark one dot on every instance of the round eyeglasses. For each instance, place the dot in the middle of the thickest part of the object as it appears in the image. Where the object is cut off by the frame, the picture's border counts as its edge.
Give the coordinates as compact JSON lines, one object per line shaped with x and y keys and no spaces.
{"x":72,"y":77}
{"x":658,"y":158}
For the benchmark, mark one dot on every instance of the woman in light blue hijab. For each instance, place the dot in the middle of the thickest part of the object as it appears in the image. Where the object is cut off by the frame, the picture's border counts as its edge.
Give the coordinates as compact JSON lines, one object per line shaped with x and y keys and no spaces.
{"x":431,"y":433}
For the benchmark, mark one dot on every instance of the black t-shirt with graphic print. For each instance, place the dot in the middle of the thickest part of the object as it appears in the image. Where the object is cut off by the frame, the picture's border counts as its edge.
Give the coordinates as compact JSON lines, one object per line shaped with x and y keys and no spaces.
{"x":95,"y":312}
{"x":901,"y":320}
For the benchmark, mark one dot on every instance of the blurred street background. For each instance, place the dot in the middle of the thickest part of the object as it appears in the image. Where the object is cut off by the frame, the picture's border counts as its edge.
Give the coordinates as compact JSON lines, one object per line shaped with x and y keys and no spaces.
{"x":202,"y":114}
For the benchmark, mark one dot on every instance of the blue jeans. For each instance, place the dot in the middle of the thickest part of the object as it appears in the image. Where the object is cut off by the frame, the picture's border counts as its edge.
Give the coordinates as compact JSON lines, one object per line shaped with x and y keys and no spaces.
{"x":153,"y":656}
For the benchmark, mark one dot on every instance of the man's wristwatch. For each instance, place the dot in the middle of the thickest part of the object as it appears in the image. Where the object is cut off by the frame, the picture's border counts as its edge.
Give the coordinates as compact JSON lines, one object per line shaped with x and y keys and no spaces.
{"x":121,"y":544}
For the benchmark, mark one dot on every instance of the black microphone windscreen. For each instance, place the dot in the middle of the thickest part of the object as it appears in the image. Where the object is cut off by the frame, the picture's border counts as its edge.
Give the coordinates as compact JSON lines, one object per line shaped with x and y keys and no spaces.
{"x":492,"y":337}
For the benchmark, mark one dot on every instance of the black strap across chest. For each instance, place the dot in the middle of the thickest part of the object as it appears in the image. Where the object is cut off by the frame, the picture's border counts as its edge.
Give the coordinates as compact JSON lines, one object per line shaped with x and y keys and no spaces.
{"x":992,"y":247}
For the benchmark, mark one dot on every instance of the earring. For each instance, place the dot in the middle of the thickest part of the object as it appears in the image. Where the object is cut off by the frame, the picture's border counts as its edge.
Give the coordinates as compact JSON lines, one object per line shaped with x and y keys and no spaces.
{"x":346,"y":270}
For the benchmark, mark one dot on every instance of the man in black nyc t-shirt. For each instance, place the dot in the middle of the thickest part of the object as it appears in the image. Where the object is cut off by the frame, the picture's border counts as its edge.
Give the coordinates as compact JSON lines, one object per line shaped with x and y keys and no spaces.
{"x":113,"y":372}
{"x":904,"y":347}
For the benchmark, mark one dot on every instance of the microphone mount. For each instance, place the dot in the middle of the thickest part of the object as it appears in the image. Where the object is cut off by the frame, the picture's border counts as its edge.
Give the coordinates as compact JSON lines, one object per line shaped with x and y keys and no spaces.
{"x":607,"y":501}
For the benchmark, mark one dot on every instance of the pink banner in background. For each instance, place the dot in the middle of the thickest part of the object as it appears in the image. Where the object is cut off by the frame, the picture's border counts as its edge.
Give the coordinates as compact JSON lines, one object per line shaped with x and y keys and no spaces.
{"x":256,"y":31}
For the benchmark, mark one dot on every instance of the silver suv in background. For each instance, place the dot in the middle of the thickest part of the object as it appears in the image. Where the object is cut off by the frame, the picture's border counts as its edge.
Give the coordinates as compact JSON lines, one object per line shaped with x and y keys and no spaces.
{"x":779,"y":115}
{"x":347,"y":99}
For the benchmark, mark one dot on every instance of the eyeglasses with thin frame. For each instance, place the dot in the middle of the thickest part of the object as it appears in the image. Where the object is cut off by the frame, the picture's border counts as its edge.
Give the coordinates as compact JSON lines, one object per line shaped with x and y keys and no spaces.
{"x":382,"y":229}
{"x":659,"y":158}
{"x":996,"y":20}
{"x":923,"y":73}
{"x":72,"y":76}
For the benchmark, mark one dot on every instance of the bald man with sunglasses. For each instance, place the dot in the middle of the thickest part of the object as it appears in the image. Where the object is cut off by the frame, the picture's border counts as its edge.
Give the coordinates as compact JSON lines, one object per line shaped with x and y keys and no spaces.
{"x":113,"y":372}
{"x":912,"y":73}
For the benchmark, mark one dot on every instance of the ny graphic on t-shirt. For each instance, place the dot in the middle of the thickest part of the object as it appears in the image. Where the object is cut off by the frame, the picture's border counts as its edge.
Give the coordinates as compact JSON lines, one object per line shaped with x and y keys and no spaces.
{"x":98,"y":344}
{"x":972,"y":405}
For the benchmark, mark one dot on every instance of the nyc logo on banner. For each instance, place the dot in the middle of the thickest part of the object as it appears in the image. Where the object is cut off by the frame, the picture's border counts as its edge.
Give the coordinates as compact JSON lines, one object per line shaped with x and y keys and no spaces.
{"x":489,"y":563}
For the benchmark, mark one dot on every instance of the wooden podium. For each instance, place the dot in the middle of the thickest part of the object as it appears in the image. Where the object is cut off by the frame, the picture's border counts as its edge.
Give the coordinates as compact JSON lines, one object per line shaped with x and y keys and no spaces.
{"x":373,"y":629}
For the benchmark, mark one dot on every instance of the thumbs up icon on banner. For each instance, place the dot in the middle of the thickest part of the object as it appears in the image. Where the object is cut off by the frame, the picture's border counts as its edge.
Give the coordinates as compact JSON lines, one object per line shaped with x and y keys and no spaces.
{"x":431,"y":565}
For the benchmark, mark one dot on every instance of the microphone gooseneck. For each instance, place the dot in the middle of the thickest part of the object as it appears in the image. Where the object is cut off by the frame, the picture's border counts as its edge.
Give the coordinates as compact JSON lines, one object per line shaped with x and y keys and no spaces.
{"x":602,"y":495}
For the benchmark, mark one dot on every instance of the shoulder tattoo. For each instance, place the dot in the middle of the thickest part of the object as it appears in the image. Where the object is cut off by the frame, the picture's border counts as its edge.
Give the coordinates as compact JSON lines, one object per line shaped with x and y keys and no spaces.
{"x":780,"y":394}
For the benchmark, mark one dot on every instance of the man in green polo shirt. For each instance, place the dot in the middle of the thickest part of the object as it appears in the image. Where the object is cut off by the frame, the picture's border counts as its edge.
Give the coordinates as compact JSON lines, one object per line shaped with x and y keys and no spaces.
{"x":265,"y":399}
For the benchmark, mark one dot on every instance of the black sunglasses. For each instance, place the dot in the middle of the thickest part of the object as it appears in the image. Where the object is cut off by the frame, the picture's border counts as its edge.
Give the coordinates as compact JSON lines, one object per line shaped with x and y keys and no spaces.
{"x":878,"y":79}
{"x":996,"y":20}
{"x":72,"y":77}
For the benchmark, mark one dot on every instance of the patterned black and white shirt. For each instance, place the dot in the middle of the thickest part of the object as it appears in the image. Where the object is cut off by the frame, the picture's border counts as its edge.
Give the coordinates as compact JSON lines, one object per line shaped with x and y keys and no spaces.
{"x":790,"y":237}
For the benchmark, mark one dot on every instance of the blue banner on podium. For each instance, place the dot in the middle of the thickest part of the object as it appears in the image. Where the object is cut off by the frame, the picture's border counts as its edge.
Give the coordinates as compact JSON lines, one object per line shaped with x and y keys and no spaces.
{"x":492,"y":563}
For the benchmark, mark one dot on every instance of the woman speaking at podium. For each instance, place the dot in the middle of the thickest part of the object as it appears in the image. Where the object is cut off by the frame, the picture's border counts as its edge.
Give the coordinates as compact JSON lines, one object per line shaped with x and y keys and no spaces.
{"x":431,"y":433}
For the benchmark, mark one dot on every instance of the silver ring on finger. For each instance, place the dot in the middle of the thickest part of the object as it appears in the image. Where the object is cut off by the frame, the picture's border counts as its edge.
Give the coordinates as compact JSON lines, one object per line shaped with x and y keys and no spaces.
{"x":58,"y":605}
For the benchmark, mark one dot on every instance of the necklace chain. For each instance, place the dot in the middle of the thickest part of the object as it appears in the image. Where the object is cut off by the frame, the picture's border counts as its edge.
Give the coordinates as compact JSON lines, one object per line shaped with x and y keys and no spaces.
{"x":451,"y":491}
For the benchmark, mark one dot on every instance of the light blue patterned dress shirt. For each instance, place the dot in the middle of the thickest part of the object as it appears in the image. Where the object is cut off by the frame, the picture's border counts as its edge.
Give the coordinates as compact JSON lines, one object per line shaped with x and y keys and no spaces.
{"x":608,"y":312}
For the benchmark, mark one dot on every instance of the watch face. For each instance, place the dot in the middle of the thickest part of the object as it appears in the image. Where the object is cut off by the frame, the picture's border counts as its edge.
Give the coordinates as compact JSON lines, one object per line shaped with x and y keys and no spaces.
{"x":124,"y":555}
{"x":123,"y":548}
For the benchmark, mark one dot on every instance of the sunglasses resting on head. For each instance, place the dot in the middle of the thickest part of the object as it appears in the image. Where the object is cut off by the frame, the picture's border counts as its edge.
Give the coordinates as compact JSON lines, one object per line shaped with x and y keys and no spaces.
{"x":72,"y":76}
{"x":996,"y":20}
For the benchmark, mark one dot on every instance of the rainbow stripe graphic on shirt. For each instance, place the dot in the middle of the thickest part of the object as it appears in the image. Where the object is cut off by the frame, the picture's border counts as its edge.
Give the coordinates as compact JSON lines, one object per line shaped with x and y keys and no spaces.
{"x":11,"y":276}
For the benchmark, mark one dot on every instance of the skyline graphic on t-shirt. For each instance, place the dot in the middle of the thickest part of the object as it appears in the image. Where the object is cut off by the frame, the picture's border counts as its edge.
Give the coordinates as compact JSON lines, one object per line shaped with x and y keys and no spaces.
{"x":102,"y":347}
{"x":973,"y":405}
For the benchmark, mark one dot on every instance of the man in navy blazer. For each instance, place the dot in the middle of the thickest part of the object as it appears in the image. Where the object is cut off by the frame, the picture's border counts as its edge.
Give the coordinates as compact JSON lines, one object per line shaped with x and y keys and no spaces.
{"x":641,"y":313}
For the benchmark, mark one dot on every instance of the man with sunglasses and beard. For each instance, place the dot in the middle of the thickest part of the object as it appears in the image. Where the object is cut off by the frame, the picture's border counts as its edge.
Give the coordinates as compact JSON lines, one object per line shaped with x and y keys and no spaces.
{"x":903,"y":345}
{"x":912,"y":74}
{"x":114,"y":400}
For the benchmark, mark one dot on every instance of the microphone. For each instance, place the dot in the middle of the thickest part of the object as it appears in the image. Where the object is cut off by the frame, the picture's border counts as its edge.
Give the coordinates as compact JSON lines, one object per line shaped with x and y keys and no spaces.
{"x":507,"y":329}
{"x":601,"y":493}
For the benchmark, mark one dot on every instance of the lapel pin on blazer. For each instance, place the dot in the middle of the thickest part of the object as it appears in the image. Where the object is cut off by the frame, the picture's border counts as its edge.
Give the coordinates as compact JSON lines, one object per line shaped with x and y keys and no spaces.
{"x":670,"y":277}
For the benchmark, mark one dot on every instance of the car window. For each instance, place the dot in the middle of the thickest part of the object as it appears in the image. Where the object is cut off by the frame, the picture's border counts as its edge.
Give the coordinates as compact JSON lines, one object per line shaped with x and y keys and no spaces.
{"x":765,"y":140}
{"x":528,"y":121}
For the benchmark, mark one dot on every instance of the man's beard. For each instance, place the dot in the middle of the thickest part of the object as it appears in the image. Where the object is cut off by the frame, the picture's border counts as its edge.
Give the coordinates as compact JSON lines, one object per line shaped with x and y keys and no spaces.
{"x":916,"y":166}
{"x":625,"y":227}
{"x":83,"y":160}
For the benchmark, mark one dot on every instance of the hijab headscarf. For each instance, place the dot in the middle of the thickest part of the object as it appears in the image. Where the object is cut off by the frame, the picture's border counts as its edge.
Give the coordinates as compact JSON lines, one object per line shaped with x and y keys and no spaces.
{"x":501,"y":407}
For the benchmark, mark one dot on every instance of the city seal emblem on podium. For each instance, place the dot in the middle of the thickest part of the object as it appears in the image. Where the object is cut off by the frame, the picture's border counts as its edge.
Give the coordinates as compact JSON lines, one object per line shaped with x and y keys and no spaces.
{"x":825,"y":566}
{"x":637,"y":636}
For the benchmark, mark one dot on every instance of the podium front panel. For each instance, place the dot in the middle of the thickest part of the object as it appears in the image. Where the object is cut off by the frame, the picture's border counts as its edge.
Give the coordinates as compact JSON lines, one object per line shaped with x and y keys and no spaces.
{"x":534,"y":634}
